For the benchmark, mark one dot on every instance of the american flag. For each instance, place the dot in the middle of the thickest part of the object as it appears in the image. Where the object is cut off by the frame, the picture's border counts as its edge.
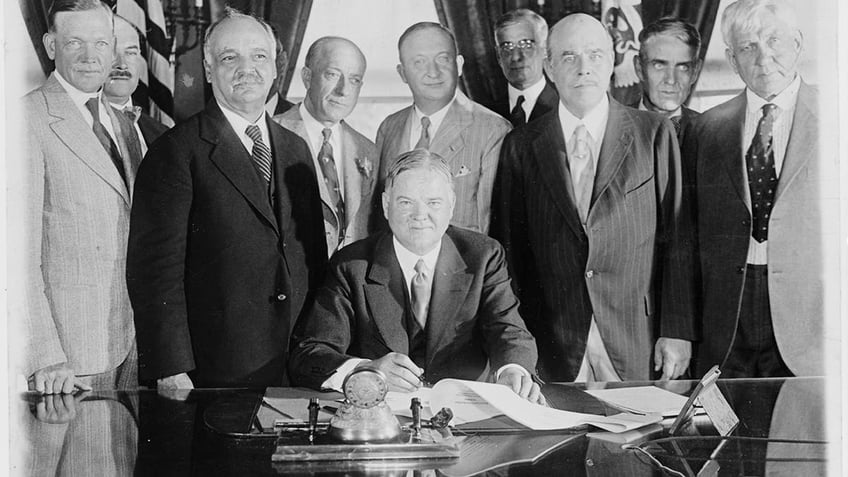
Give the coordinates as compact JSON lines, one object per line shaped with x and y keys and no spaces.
{"x":157,"y":82}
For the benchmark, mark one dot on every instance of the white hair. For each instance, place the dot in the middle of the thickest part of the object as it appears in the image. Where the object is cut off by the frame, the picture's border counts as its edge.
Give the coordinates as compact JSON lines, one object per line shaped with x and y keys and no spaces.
{"x":747,"y":15}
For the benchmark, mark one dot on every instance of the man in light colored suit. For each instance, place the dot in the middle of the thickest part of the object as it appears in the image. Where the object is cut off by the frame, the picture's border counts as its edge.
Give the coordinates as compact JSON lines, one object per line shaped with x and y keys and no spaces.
{"x":757,"y":206}
{"x":345,"y":160}
{"x":442,"y":120}
{"x":77,"y":181}
{"x":424,"y":299}
{"x":586,"y":208}
{"x":123,"y":81}
{"x":521,"y":37}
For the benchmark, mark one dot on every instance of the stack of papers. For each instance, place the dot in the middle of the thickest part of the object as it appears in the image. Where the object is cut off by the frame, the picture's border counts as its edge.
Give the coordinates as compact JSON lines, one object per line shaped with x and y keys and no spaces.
{"x":643,"y":400}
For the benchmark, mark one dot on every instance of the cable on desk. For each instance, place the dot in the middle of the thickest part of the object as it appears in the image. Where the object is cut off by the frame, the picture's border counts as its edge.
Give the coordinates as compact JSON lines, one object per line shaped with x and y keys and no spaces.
{"x":659,"y":464}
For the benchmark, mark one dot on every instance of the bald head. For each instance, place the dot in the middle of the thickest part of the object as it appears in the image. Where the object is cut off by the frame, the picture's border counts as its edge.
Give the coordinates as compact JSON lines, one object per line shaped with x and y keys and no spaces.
{"x":333,"y":73}
{"x":580,"y":62}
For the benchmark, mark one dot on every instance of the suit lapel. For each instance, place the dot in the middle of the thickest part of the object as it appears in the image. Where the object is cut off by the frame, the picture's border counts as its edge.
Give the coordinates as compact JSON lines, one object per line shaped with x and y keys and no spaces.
{"x":802,"y":136}
{"x":618,"y":139}
{"x":729,"y":138}
{"x":72,"y":129}
{"x":229,"y":155}
{"x":294,"y":122}
{"x":546,"y":101}
{"x":549,"y":151}
{"x":127,"y":141}
{"x":449,"y":138}
{"x":385,"y":295}
{"x":450,"y":288}
{"x":352,"y":178}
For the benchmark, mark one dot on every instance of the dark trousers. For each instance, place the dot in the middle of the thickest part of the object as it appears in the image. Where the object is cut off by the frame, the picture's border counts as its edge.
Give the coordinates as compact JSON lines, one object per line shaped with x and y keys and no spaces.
{"x":754,"y":353}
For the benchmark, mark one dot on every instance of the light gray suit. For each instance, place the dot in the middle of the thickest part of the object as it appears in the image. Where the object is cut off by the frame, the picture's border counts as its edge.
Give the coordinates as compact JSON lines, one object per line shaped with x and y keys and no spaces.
{"x":70,"y":211}
{"x":469,"y":139}
{"x":359,"y":168}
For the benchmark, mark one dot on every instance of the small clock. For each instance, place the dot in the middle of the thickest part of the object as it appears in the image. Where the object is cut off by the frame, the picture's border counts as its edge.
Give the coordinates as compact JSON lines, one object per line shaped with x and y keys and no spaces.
{"x":365,"y":416}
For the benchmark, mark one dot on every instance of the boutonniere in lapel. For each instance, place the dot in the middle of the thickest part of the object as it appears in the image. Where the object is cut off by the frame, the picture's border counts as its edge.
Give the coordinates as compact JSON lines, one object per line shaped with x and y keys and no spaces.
{"x":364,"y":166}
{"x":463,"y":171}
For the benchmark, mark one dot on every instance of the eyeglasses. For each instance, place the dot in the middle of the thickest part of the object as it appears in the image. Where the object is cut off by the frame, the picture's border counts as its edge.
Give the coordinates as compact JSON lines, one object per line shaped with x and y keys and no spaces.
{"x":525,"y":46}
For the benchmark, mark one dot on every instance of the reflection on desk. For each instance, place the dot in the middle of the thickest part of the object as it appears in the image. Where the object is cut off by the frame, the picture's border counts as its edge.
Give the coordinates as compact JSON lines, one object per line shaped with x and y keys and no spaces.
{"x":210,"y":432}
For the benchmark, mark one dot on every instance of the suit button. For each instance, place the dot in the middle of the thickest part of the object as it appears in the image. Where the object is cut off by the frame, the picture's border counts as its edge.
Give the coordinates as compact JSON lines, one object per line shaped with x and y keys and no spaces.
{"x":745,"y":222}
{"x":590,"y":274}
{"x":740,"y":270}
{"x":281,"y":297}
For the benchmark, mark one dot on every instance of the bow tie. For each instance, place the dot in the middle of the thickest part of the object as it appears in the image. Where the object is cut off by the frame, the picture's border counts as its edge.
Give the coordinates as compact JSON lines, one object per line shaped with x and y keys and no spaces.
{"x":132,"y":112}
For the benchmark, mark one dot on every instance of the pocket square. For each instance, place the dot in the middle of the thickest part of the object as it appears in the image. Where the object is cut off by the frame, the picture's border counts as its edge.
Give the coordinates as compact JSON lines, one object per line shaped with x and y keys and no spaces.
{"x":463,"y":171}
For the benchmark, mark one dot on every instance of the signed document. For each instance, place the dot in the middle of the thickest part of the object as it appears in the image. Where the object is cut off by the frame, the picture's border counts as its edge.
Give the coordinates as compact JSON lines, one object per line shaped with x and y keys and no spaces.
{"x":473,"y":401}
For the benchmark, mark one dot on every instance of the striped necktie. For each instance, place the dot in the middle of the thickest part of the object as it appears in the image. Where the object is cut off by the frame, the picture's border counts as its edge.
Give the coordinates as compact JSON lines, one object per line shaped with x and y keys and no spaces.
{"x":261,"y":152}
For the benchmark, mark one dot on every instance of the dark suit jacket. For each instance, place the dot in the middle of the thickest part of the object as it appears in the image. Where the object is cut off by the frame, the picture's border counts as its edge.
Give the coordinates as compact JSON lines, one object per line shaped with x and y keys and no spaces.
{"x":547,"y":100}
{"x":216,"y":274}
{"x":798,"y":232}
{"x":564,"y":274}
{"x":473,"y":318}
{"x":151,"y":129}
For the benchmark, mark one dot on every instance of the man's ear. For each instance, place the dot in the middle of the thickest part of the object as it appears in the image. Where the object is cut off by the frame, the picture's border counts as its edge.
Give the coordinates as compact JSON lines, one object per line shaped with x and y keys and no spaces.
{"x":401,"y":73}
{"x":306,"y":76}
{"x":49,"y":40}
{"x":385,"y":200}
{"x":637,"y":66}
{"x":460,"y":61}
{"x":207,"y":70}
{"x":731,"y":58}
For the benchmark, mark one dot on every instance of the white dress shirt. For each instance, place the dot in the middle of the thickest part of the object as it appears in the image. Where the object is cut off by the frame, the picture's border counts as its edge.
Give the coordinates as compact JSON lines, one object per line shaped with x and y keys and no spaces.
{"x":314,"y":131}
{"x":531,"y":95}
{"x":785,"y":102}
{"x":79,"y":98}
{"x":239,"y":125}
{"x":435,"y":121}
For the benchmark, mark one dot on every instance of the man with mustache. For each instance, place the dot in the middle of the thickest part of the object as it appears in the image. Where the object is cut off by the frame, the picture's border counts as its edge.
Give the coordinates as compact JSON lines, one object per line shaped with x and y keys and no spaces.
{"x":442,"y":120}
{"x":668,"y":67}
{"x":226,"y":238}
{"x":69,"y":238}
{"x":123,"y":81}
{"x":586,"y":206}
{"x":345,"y":160}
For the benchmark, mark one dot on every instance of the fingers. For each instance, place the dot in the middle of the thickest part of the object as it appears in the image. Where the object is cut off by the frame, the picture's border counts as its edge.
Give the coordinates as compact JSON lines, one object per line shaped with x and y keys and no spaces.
{"x":68,"y":385}
{"x":81,"y":385}
{"x":658,"y":357}
{"x":401,"y":372}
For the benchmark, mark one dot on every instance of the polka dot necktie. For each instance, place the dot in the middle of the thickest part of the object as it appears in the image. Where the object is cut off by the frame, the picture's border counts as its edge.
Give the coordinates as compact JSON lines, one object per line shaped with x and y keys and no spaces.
{"x":331,"y":178}
{"x":762,"y":176}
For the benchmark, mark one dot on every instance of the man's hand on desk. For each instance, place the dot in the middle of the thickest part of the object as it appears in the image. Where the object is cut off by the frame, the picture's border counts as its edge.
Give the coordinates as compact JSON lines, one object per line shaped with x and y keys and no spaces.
{"x":522,"y":384}
{"x":175,"y":387}
{"x":402,"y":374}
{"x":672,"y":356}
{"x":56,"y":379}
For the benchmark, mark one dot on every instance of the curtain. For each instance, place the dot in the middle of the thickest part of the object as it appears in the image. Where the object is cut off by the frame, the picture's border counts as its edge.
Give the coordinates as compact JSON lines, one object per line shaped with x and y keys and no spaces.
{"x":34,"y":13}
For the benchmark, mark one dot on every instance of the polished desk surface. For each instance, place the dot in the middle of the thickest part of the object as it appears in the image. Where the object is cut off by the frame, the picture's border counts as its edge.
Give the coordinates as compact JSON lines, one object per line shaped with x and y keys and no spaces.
{"x":210,"y":432}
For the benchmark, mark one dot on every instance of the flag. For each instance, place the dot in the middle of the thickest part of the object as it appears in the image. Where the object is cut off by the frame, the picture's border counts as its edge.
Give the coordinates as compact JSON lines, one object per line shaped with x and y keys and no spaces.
{"x":623,"y":20}
{"x":157,"y":81}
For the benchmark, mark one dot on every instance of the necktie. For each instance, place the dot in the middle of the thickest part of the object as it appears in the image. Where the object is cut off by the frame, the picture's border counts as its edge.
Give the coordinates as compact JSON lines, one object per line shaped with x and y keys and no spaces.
{"x":424,"y":140}
{"x":261,"y":152}
{"x":103,"y":137}
{"x":331,"y":178}
{"x":762,"y":176}
{"x":420,"y":292}
{"x":132,"y":112}
{"x":676,"y":122}
{"x":517,"y":117}
{"x":583,"y":168}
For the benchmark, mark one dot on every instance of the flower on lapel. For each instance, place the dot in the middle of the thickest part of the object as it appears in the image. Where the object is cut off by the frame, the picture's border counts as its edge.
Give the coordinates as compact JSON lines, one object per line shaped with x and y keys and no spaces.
{"x":364,"y":166}
{"x":463,"y":171}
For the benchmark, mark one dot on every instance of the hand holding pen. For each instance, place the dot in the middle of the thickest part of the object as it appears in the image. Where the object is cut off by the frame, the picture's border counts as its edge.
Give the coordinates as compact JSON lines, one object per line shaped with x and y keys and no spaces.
{"x":401,"y":373}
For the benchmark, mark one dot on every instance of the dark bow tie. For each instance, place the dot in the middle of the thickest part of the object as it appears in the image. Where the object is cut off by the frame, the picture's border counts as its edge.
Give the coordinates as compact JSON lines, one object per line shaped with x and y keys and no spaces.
{"x":133,"y":112}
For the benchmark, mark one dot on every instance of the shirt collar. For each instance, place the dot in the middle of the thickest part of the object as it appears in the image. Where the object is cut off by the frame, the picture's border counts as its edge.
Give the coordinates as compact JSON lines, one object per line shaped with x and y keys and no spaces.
{"x":785,"y":100}
{"x":530,"y":94}
{"x":78,"y":97}
{"x":675,"y":113}
{"x":314,"y":128}
{"x":595,"y":120}
{"x":408,"y":259}
{"x":121,"y":107}
{"x":435,"y":118}
{"x":240,"y":124}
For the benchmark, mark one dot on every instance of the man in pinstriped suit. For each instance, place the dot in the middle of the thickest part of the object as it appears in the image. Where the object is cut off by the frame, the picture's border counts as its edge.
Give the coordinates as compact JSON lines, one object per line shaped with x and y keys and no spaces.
{"x":467,"y":135}
{"x":78,"y":324}
{"x":591,"y":243}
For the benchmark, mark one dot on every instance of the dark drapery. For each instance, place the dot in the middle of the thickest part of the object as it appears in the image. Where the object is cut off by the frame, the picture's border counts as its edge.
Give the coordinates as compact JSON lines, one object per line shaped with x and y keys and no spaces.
{"x":35,"y":18}
{"x":472,"y":22}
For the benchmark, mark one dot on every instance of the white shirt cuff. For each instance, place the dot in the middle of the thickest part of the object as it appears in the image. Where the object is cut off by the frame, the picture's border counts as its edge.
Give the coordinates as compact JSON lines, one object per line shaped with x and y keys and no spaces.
{"x":336,"y":380}
{"x":508,"y":366}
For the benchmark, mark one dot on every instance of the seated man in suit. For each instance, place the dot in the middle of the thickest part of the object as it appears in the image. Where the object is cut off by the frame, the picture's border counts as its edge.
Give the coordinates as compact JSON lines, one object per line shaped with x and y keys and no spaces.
{"x":344,"y":159}
{"x":668,"y":66}
{"x":422,"y":300}
{"x":123,"y":81}
{"x":441,"y":119}
{"x":520,"y":36}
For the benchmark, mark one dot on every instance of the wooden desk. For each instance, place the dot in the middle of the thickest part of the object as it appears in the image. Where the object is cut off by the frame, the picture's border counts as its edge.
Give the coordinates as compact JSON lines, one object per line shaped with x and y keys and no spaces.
{"x":209,"y":433}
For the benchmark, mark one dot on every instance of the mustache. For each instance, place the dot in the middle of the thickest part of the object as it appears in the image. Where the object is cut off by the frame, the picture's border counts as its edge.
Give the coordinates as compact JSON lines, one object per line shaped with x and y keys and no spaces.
{"x":120,"y":74}
{"x":249,"y":78}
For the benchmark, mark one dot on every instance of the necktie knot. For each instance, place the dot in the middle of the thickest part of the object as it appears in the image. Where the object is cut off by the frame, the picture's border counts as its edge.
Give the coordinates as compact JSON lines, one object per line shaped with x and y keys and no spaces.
{"x":253,"y":133}
{"x":93,"y":107}
{"x":326,"y":132}
{"x":132,"y":112}
{"x":581,"y":142}
{"x":424,"y":140}
{"x":421,"y":267}
{"x":425,"y":123}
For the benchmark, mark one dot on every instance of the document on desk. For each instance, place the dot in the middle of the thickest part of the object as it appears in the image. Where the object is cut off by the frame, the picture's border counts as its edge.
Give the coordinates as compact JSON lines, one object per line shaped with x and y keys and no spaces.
{"x":473,"y":401}
{"x":642,"y":400}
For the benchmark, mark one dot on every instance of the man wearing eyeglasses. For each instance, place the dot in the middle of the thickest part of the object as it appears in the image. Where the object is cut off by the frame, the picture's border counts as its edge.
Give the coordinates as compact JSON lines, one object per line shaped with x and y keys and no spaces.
{"x":520,"y":37}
